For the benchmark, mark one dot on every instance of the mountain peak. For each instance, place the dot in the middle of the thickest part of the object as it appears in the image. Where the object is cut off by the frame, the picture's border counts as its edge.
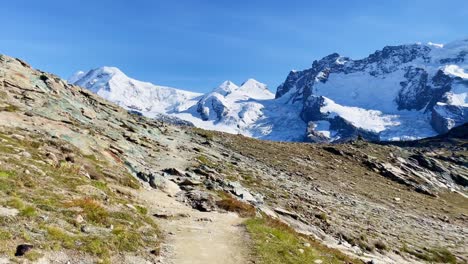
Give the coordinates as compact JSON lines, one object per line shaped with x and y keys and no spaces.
{"x":226,"y":88}
{"x":252,"y":83}
{"x":109,"y":70}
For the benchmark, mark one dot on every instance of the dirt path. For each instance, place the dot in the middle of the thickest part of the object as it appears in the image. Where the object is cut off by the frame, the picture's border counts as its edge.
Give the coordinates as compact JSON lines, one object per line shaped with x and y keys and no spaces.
{"x":197,"y":237}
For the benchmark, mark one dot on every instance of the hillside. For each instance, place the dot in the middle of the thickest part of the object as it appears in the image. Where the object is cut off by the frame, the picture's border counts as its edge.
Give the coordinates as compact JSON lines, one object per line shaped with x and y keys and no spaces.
{"x":85,"y":180}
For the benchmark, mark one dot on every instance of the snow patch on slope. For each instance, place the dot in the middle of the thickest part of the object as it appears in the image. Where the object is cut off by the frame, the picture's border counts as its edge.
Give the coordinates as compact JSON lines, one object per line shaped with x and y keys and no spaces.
{"x":371,"y":120}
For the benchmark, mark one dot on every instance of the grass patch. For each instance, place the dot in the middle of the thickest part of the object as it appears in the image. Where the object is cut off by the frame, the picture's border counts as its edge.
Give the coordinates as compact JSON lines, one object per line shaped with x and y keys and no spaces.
{"x":277,"y":243}
{"x":92,"y":210}
{"x":433,"y":255}
{"x":126,"y":240}
{"x":141,"y":209}
{"x":129,"y":181}
{"x":10,"y":108}
{"x":60,"y":238}
{"x":33,"y":255}
{"x":208,"y":135}
{"x":16,"y":203}
{"x":233,"y":205}
{"x":28,"y":211}
{"x":203,"y":160}
{"x":6,"y":174}
{"x":5,"y":235}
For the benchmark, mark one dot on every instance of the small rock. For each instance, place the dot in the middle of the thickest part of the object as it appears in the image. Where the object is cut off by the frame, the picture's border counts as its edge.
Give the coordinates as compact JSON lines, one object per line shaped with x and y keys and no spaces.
{"x":190,"y":182}
{"x":85,"y":229}
{"x":301,"y":251}
{"x":205,"y":219}
{"x":23,"y":249}
{"x":156,"y":251}
{"x":131,"y":206}
{"x":397,"y":199}
{"x":306,"y":244}
{"x":70,"y":158}
{"x":318,"y":261}
{"x":174,"y":172}
{"x":26,"y":154}
{"x":282,"y":211}
{"x":88,"y":113}
{"x":79,"y":219}
{"x":51,"y":156}
{"x":8,"y":212}
{"x":17,"y":137}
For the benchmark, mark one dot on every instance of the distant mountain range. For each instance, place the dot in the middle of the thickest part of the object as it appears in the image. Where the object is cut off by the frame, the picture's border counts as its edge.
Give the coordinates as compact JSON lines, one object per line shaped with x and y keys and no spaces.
{"x":397,"y":93}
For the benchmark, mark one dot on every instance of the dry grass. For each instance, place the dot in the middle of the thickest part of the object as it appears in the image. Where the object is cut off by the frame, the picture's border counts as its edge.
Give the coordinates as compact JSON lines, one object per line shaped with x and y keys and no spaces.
{"x":93,"y":211}
{"x":233,"y":205}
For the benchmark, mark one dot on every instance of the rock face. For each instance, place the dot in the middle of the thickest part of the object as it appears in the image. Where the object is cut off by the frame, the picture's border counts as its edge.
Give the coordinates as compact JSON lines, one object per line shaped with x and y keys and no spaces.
{"x":384,"y":95}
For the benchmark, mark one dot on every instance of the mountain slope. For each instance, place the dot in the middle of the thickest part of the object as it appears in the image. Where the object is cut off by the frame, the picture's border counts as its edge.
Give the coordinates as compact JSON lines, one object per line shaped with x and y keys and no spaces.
{"x":84,"y":180}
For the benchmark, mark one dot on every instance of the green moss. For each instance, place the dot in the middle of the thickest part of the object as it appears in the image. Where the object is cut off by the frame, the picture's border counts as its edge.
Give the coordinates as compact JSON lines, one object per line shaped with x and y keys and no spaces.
{"x":141,"y":209}
{"x":9,"y":108}
{"x":16,"y":203}
{"x":6,"y":174}
{"x":126,"y":240}
{"x":95,"y":246}
{"x":124,"y":218}
{"x":28,"y":211}
{"x":33,"y":255}
{"x":100,"y":185}
{"x":59,"y":238}
{"x":5,"y":235}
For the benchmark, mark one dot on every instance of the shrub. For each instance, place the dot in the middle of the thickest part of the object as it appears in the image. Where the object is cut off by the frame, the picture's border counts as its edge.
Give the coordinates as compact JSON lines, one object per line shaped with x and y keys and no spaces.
{"x":233,"y":205}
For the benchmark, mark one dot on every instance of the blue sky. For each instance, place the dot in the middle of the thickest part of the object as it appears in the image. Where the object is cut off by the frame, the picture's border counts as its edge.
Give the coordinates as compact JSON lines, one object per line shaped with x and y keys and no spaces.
{"x":196,"y":45}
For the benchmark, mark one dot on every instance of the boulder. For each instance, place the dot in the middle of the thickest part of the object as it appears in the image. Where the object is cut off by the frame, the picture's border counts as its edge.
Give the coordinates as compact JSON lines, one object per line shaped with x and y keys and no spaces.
{"x":22,"y":249}
{"x":174,"y":172}
{"x":201,"y":201}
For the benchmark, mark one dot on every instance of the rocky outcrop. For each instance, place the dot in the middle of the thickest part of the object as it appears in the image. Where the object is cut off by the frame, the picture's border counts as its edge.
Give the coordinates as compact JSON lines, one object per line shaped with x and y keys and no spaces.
{"x":445,"y":117}
{"x":212,"y":105}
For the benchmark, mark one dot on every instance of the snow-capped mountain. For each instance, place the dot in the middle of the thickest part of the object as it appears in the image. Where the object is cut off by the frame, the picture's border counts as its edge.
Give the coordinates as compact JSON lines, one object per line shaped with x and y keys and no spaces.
{"x":399,"y":92}
{"x":113,"y":85}
{"x":228,"y":107}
